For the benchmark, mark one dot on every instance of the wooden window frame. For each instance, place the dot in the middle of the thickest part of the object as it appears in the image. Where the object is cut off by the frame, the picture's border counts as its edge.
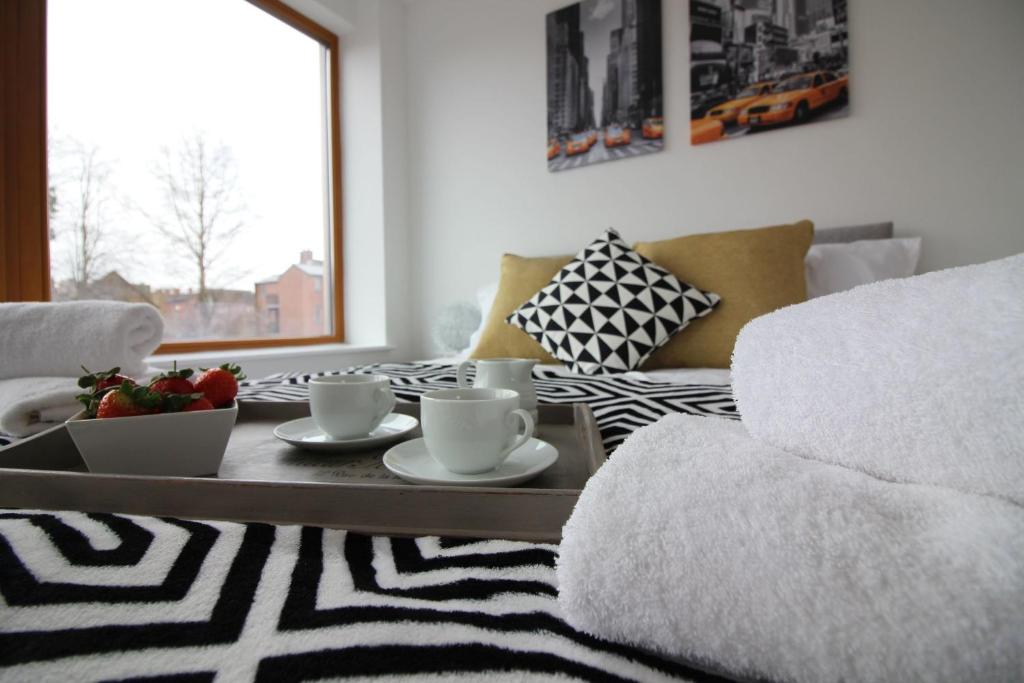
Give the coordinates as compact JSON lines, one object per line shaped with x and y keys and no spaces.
{"x":24,"y":182}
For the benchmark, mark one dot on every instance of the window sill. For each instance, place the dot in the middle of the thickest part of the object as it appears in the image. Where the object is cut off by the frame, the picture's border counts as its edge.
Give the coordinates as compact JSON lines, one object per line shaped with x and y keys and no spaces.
{"x":260,"y":362}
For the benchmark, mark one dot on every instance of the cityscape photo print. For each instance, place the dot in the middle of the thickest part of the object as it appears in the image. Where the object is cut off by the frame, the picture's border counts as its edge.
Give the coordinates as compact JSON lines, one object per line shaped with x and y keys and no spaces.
{"x":604,"y":82}
{"x":759,"y":65}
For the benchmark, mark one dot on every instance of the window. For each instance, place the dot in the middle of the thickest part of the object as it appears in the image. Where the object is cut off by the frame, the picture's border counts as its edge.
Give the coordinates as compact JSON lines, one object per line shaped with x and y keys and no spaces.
{"x":200,"y":174}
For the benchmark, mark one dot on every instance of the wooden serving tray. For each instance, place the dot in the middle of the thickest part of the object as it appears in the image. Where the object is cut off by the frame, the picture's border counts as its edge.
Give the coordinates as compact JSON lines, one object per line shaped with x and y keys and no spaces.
{"x":263,"y":479}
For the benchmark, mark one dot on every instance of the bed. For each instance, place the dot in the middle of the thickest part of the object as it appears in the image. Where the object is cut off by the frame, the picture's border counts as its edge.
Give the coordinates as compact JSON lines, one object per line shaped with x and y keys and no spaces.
{"x":114,"y":597}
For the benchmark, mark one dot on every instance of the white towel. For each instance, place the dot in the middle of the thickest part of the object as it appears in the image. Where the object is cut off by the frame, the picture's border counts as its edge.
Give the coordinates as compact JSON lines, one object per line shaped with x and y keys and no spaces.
{"x":56,"y":339}
{"x":29,"y":405}
{"x":696,"y":541}
{"x":916,"y":380}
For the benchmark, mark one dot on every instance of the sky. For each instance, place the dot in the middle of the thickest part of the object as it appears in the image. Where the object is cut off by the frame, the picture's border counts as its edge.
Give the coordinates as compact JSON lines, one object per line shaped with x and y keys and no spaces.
{"x":131,"y":77}
{"x":597,"y":20}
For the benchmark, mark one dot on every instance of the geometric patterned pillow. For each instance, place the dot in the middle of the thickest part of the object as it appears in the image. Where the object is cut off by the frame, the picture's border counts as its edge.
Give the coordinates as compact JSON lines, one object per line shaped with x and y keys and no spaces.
{"x":610,"y":308}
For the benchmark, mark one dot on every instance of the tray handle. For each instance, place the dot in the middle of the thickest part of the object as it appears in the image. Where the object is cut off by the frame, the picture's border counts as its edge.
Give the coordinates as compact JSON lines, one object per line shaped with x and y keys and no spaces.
{"x":589,"y":436}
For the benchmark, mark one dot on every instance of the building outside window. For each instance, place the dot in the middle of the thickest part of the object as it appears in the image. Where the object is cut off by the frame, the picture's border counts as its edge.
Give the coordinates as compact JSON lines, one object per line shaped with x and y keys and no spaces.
{"x":291,"y":303}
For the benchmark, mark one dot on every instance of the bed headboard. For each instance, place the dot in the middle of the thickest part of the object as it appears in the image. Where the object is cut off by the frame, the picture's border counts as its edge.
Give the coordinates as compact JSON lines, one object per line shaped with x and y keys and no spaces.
{"x":852,"y":233}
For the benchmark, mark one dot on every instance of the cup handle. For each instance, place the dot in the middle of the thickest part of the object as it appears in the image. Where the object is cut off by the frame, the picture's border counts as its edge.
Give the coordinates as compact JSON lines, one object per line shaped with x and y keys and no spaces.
{"x":460,"y":374}
{"x":385,"y":401}
{"x":520,"y":439}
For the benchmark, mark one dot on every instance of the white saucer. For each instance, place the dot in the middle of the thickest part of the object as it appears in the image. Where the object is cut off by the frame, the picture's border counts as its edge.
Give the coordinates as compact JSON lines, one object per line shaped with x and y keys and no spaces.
{"x":412,"y":462}
{"x":305,"y":434}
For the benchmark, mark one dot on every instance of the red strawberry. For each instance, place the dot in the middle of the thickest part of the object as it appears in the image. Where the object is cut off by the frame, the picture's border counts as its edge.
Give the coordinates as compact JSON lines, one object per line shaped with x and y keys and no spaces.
{"x":97,"y":381}
{"x":97,"y":384}
{"x":176,"y":403}
{"x":172,"y":385}
{"x":113,"y":381}
{"x":220,"y":385}
{"x":199,"y":404}
{"x":128,"y":400}
{"x":173,"y":382}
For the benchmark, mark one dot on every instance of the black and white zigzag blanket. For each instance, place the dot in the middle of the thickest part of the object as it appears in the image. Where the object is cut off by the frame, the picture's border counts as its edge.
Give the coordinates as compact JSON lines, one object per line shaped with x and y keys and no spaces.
{"x":621,"y":403}
{"x":114,"y":597}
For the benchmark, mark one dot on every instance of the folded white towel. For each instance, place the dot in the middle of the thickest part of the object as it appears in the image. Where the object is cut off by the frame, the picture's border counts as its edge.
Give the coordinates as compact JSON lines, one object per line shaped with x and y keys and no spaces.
{"x":29,"y":405}
{"x":698,"y":542}
{"x":55,"y":339}
{"x":916,"y":380}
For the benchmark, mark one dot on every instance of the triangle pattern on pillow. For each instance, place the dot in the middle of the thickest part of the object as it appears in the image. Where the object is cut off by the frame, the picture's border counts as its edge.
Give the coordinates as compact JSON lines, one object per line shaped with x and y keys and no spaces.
{"x":610,"y":308}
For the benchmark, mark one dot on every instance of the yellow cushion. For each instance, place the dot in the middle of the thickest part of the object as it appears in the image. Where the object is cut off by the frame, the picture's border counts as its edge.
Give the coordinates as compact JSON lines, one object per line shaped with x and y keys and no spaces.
{"x":521,"y":278}
{"x":754,"y":271}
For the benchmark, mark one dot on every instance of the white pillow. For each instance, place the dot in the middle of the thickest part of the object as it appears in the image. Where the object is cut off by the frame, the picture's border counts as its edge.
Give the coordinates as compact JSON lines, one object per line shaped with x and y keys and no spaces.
{"x":835,"y":268}
{"x":485,"y":300}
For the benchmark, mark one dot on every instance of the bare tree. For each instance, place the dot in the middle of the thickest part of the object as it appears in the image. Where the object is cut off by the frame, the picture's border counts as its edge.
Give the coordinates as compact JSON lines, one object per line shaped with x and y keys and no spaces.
{"x":84,"y":191}
{"x":202,"y":209}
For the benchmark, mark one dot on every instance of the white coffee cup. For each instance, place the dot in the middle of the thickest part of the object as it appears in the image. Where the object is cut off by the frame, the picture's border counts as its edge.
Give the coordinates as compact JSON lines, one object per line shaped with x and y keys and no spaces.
{"x":350,"y":406}
{"x":469,"y":431}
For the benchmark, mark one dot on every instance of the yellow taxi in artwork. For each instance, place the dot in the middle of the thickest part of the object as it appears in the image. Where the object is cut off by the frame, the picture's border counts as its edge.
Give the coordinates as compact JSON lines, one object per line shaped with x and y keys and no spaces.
{"x":728,"y":112}
{"x":653,"y":128}
{"x":616,"y":135}
{"x":705,"y":130}
{"x":794,"y":98}
{"x":554,"y":149}
{"x":577,"y":144}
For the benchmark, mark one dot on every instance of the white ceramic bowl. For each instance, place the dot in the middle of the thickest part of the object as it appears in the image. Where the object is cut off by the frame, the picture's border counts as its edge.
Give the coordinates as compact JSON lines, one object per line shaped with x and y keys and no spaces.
{"x":168,"y":444}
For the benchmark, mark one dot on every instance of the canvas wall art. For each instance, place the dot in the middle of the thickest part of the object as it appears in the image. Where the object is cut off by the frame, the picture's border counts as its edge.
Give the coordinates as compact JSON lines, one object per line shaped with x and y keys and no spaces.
{"x":603,"y":82}
{"x":762,"y":65}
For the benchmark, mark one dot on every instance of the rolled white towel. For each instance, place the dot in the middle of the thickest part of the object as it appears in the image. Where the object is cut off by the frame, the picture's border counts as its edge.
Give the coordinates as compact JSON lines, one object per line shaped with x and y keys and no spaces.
{"x":698,"y":542}
{"x":56,"y":339}
{"x":915,"y":380}
{"x":29,"y":405}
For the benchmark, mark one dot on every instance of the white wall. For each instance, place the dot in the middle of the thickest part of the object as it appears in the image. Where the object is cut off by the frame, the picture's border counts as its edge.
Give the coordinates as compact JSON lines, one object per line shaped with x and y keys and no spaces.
{"x":932,"y":143}
{"x":374,"y":171}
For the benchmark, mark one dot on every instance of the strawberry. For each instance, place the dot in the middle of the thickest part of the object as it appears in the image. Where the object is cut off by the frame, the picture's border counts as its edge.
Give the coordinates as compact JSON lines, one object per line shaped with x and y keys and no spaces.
{"x":97,"y":381}
{"x":97,"y":385}
{"x":128,"y":400}
{"x":201,"y":403}
{"x":220,"y":385}
{"x":173,"y":382}
{"x":178,"y":403}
